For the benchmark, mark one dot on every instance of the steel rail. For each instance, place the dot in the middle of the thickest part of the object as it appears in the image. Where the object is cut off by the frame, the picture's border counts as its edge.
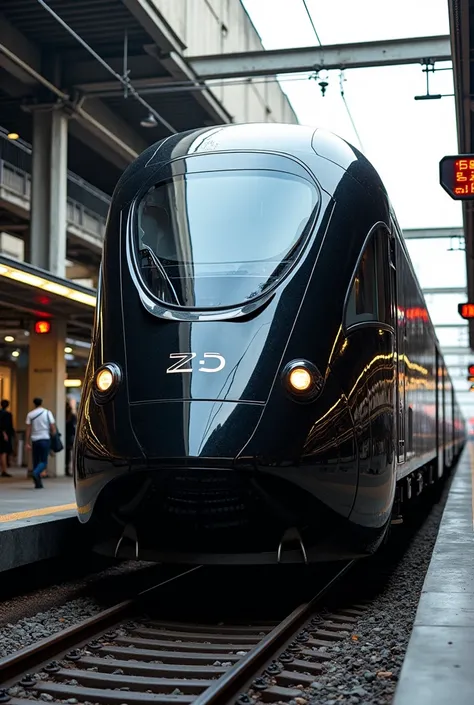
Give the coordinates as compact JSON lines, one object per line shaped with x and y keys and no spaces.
{"x":22,"y":660}
{"x":225,"y":687}
{"x":248,"y":666}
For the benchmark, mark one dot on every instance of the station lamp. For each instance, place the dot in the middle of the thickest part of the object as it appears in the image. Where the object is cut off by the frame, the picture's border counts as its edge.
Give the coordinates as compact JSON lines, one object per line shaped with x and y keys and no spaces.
{"x":42,"y":327}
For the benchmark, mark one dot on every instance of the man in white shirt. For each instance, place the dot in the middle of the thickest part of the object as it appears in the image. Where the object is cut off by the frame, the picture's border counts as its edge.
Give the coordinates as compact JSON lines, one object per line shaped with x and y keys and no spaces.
{"x":40,"y":425}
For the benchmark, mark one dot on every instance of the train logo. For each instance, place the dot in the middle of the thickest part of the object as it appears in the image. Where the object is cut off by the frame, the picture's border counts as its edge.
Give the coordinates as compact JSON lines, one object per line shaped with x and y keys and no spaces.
{"x":185,"y":358}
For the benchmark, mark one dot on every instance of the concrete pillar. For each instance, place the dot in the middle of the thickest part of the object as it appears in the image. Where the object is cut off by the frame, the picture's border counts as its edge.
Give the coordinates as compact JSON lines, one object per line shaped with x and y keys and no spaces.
{"x":49,"y":191}
{"x":46,"y":375}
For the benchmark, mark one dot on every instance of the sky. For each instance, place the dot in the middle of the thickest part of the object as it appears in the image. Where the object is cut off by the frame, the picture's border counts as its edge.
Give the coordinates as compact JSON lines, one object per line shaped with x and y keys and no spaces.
{"x":403,"y":138}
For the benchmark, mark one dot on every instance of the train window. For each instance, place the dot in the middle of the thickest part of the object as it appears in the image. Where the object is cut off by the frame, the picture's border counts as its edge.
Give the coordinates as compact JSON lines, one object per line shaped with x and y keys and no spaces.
{"x":383,"y":255}
{"x":211,"y":240}
{"x":369,"y":299}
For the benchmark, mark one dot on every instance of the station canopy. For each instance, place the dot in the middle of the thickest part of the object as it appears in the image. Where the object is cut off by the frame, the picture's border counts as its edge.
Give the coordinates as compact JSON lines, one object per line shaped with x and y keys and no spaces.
{"x":28,"y":293}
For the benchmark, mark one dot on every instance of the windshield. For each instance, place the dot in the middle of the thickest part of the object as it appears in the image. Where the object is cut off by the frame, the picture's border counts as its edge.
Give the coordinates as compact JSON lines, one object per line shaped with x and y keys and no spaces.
{"x":219,"y":239}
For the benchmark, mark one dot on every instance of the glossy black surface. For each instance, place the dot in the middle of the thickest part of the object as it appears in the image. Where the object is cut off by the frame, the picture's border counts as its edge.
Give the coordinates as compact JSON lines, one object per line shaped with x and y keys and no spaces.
{"x":203,"y":450}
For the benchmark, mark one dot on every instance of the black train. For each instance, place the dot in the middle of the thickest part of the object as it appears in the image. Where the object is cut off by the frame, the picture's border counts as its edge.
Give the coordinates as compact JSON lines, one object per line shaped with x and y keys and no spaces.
{"x":265,"y":383}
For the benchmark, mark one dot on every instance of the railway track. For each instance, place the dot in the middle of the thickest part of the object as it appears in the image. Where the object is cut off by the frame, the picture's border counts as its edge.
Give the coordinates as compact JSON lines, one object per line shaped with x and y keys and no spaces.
{"x":123,"y":656}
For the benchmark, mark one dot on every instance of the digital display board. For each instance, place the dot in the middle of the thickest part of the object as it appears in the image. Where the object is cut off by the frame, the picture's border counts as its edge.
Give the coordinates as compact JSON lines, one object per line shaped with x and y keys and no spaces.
{"x":456,"y":176}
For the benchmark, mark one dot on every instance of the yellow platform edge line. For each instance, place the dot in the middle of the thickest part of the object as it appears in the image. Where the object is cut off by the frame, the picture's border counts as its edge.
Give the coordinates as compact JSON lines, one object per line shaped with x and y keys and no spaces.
{"x":29,"y":513}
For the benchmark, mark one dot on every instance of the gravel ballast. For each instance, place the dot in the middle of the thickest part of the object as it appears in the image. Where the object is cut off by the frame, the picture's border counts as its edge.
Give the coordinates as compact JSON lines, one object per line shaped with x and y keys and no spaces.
{"x":38,"y":614}
{"x":31,"y":629}
{"x":365,"y":667}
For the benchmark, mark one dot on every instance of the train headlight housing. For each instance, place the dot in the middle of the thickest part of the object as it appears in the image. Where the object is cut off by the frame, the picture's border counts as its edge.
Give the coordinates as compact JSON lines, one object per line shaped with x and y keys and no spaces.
{"x":302,"y":380}
{"x":106,"y":380}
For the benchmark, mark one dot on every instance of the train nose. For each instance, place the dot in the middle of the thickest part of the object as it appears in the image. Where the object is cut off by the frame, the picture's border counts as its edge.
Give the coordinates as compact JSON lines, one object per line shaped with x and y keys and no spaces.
{"x":194,"y":429}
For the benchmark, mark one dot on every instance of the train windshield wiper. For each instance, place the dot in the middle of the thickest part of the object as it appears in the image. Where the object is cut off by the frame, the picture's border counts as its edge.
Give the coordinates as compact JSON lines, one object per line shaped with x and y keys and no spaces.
{"x":162,"y":271}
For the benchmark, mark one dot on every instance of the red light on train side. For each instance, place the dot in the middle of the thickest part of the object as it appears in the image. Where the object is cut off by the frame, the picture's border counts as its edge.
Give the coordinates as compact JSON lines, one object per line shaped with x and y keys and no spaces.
{"x":466,"y":311}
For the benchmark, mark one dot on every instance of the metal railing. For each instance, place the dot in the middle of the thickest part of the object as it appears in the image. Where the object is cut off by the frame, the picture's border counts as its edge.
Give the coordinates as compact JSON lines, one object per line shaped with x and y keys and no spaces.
{"x":87,"y":207}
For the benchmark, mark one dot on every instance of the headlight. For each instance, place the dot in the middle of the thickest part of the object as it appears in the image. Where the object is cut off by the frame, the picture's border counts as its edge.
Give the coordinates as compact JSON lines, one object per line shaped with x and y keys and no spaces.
{"x":106,"y":380}
{"x":302,"y":380}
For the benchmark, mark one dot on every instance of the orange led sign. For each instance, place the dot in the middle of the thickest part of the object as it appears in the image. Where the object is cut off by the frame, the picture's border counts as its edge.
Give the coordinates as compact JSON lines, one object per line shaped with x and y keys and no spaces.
{"x":466,"y":311}
{"x":456,"y":175}
{"x":42,"y":327}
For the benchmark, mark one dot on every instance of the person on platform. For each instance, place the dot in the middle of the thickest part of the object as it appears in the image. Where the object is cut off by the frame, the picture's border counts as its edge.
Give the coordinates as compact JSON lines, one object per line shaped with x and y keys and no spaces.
{"x":71,"y":422}
{"x":7,"y":433}
{"x":40,"y":425}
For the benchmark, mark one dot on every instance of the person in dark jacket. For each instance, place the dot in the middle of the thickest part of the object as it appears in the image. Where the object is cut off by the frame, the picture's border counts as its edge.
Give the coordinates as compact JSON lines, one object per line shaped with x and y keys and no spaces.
{"x":71,"y":421}
{"x":7,"y":433}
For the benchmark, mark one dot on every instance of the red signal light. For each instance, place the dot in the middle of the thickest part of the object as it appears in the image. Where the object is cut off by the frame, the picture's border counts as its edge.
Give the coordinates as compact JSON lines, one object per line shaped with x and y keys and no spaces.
{"x":466,"y":310}
{"x":470,"y":370}
{"x":42,"y":327}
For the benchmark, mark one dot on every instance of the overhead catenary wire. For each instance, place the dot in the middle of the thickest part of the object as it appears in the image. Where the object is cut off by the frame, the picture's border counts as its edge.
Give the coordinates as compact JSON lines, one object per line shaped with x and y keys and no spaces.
{"x":342,"y":79}
{"x":312,"y":23}
{"x":349,"y":112}
{"x":190,"y":85}
{"x":124,"y":81}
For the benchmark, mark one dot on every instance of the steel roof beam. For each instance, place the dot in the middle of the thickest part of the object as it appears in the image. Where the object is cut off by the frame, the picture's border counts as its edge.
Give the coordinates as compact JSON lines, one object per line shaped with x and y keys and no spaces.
{"x":431,"y":233}
{"x":461,"y":290}
{"x":335,"y":56}
{"x":31,"y":55}
{"x":146,"y":12}
{"x":22,"y":60}
{"x":169,"y":49}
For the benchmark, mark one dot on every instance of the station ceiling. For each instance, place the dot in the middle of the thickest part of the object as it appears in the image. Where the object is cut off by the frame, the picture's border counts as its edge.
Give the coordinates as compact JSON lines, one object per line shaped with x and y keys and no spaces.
{"x":32,"y":40}
{"x":462,"y":44}
{"x":27,"y":293}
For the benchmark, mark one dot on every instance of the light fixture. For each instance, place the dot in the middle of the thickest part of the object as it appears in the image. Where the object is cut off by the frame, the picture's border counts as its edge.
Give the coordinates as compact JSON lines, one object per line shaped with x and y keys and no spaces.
{"x":149,"y":121}
{"x":67,"y":350}
{"x":13,"y":136}
{"x":16,"y":353}
{"x":73,"y":383}
{"x":302,"y":380}
{"x":42,"y":327}
{"x":106,"y":380}
{"x":47,"y":285}
{"x":9,"y":339}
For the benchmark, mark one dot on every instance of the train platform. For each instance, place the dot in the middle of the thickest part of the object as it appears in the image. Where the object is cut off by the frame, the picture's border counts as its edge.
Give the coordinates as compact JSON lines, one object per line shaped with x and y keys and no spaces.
{"x":35,"y":524}
{"x":438,"y":666}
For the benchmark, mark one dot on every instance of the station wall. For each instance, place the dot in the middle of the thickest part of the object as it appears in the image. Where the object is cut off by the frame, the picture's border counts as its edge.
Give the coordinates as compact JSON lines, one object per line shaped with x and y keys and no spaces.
{"x":222,"y":27}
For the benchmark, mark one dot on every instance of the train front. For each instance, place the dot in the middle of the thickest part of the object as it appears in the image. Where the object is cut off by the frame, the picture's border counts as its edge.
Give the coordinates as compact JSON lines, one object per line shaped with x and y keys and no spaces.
{"x":208,"y":426}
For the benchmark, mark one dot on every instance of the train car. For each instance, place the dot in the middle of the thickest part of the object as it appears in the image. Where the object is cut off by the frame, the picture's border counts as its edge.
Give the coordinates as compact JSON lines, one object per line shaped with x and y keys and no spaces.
{"x":264,"y":384}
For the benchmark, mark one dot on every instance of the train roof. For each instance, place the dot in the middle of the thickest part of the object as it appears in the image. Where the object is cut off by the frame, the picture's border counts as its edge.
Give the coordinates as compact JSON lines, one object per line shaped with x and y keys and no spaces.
{"x":295,"y":140}
{"x":305,"y":143}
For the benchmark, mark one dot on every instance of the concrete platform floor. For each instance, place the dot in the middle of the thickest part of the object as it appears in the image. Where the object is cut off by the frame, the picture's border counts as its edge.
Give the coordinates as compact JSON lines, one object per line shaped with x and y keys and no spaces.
{"x":36,"y":524}
{"x":439,"y":663}
{"x":19,"y":500}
